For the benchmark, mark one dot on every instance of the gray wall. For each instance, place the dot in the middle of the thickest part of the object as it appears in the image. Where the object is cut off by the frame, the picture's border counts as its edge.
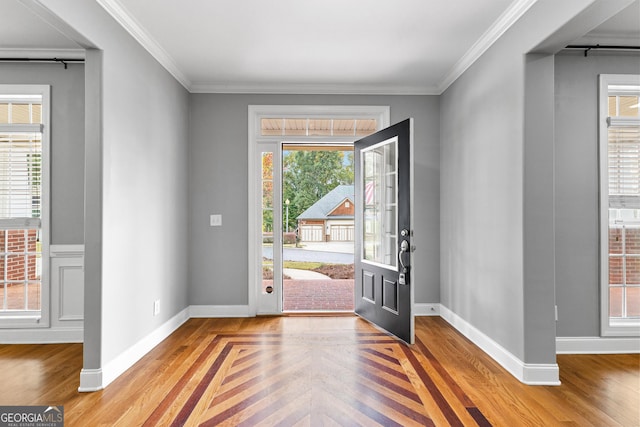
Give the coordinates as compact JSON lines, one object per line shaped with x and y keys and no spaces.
{"x":67,"y":142}
{"x":494,"y":238}
{"x":576,"y":186}
{"x":136,"y":184}
{"x":218,"y":184}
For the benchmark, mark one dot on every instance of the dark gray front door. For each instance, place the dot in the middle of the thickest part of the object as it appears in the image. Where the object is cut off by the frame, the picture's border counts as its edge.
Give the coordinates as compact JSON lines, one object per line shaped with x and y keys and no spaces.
{"x":383,"y":276}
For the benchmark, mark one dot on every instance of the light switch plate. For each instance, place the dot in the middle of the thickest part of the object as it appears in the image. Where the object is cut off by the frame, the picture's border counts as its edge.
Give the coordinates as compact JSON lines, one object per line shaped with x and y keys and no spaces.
{"x":215,"y":220}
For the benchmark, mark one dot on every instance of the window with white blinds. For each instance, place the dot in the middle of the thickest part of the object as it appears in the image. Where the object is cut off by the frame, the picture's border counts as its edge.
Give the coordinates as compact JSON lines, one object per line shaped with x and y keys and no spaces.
{"x":620,"y":204}
{"x":624,"y":165}
{"x":20,"y":159}
{"x":24,"y":292}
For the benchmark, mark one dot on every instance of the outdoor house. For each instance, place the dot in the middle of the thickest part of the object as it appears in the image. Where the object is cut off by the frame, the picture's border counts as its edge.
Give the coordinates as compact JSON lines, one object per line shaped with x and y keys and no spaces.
{"x":330,"y":219}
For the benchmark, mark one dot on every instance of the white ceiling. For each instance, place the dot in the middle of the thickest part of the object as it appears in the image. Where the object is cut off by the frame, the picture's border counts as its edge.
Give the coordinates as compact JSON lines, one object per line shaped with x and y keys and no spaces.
{"x":304,"y":46}
{"x":21,"y":30}
{"x":356,"y":45}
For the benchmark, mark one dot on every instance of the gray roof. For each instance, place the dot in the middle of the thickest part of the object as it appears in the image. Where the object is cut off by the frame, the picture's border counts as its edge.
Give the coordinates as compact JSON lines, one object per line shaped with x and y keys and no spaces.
{"x":323,"y":207}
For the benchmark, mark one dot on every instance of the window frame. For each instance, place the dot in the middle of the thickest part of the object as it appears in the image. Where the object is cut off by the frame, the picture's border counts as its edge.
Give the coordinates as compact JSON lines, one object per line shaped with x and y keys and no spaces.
{"x":608,"y":326}
{"x":41,"y":318}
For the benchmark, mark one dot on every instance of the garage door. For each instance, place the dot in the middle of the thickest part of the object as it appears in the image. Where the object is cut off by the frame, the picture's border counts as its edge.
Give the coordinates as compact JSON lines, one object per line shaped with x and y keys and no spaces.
{"x":311,"y":233}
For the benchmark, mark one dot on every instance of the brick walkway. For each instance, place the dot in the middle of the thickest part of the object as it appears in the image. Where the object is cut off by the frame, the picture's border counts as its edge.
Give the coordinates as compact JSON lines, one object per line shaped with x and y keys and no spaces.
{"x":308,"y":295}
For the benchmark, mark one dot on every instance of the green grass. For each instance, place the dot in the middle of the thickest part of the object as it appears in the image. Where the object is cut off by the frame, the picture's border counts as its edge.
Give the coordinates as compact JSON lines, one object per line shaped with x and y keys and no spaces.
{"x":302,"y":265}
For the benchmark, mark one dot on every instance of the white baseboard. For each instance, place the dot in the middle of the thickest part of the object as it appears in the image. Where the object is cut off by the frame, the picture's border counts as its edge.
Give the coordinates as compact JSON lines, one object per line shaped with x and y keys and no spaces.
{"x":532,"y":374}
{"x":90,"y":380}
{"x":42,"y":336}
{"x":426,"y":309}
{"x":219,"y":311}
{"x":101,"y":378}
{"x":527,"y":373}
{"x":597,"y":345}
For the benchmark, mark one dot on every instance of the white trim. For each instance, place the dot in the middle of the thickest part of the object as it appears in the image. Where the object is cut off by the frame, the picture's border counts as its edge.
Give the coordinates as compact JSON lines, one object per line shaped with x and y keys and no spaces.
{"x":113,"y":369}
{"x":597,"y":345}
{"x":412,"y":228}
{"x":421,"y":309}
{"x":505,"y":21}
{"x":137,"y":31}
{"x":66,"y":251}
{"x":42,"y":336}
{"x":204,"y":311}
{"x":527,"y":373}
{"x":90,"y":380}
{"x":540,"y":374}
{"x":313,"y":89}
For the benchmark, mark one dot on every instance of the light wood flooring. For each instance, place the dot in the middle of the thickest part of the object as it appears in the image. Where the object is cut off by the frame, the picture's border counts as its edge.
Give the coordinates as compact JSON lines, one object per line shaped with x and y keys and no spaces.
{"x":320,"y":371}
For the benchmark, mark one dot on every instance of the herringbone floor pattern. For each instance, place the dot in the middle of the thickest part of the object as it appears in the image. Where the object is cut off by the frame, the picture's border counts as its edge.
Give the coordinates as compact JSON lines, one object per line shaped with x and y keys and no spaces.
{"x":320,"y":371}
{"x":314,"y":379}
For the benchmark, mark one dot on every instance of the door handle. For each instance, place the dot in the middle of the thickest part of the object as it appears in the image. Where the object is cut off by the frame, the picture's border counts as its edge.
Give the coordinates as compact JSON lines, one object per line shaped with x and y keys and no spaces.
{"x":404,"y":270}
{"x":404,"y":247}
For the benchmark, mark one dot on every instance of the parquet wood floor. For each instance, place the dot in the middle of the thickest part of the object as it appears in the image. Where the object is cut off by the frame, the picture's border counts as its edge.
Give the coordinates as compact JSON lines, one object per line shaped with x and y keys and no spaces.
{"x":320,"y":371}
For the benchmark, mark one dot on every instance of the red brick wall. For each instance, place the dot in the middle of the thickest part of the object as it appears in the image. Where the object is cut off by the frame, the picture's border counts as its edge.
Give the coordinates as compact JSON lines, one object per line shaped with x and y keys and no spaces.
{"x":311,"y":222}
{"x":13,"y":245}
{"x":631,"y":246}
{"x":343,"y":209}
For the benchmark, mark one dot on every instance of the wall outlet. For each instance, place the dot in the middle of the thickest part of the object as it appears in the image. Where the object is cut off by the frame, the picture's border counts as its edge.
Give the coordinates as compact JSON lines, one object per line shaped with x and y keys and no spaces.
{"x":156,"y":307}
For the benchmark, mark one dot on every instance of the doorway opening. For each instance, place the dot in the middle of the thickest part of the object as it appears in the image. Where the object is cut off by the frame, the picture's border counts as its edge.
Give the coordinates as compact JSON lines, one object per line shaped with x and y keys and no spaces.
{"x":300,"y":162}
{"x":318,"y":229}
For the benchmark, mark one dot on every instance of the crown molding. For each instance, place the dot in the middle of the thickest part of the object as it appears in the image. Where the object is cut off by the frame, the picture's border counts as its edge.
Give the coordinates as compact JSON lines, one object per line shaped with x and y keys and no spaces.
{"x":312,"y":89}
{"x":499,"y":27}
{"x":133,"y":27}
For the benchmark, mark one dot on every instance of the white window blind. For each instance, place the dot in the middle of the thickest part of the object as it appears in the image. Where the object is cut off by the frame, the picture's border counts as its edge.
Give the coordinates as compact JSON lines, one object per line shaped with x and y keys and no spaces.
{"x":624,"y":166}
{"x":20,"y":161}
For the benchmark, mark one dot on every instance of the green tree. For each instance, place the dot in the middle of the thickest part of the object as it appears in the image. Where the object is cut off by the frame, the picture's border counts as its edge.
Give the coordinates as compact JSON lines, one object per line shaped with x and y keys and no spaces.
{"x":267,"y":192}
{"x":310,"y":175}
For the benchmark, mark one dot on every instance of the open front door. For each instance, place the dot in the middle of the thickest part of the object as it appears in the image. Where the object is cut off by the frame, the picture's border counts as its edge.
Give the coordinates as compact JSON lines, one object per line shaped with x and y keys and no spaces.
{"x":383,"y":279}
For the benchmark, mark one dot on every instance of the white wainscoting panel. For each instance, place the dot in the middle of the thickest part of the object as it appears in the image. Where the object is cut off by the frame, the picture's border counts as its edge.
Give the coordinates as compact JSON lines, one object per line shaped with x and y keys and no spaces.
{"x":66,"y":281}
{"x":67,"y":286}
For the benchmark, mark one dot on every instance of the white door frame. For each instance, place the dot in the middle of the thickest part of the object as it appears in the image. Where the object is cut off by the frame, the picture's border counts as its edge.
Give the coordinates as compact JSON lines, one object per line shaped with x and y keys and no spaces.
{"x":255,"y":139}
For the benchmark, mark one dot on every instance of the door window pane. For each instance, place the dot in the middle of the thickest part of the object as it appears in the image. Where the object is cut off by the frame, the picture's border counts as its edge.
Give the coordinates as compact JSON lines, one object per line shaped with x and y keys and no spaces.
{"x":314,"y":126}
{"x":267,"y":222}
{"x":379,"y":175}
